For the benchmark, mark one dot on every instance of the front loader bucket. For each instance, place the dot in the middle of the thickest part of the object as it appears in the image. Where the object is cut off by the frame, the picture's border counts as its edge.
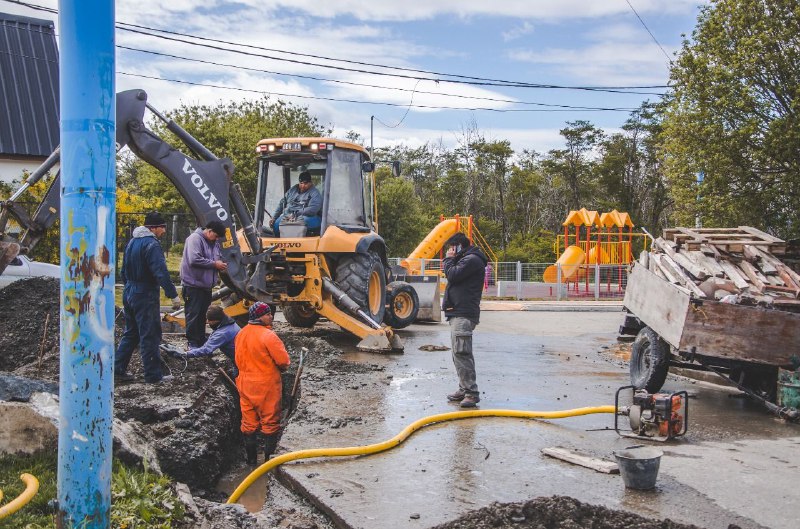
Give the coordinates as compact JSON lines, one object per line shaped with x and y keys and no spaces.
{"x":8,"y":252}
{"x":430,"y":304}
{"x":381,"y":342}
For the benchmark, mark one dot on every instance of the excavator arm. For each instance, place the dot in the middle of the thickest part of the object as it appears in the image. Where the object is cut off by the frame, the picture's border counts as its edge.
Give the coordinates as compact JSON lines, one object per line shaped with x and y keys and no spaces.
{"x":204,"y":183}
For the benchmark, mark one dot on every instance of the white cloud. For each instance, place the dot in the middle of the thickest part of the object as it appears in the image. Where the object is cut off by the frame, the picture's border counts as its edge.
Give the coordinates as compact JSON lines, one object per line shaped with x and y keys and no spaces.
{"x":518,"y":31}
{"x":372,"y":10}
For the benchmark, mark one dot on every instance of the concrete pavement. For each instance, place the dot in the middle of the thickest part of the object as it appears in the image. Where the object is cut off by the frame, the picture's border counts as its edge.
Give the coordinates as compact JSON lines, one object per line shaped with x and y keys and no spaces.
{"x":737,"y":465}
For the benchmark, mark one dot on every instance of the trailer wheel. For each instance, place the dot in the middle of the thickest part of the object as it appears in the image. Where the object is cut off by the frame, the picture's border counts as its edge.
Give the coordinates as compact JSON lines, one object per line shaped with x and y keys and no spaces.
{"x":300,"y":315}
{"x":363,"y":278}
{"x":402,"y":305}
{"x":649,"y":361}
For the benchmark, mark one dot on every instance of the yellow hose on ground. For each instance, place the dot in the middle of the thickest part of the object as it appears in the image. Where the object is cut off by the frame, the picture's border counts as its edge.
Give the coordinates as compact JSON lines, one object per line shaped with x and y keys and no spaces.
{"x":31,"y":488}
{"x":402,"y":436}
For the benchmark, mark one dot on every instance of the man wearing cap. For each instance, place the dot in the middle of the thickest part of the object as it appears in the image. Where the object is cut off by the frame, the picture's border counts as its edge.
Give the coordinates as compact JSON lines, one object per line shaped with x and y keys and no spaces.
{"x":144,"y":269}
{"x":261,"y":358}
{"x":199,"y":266}
{"x":302,"y":201}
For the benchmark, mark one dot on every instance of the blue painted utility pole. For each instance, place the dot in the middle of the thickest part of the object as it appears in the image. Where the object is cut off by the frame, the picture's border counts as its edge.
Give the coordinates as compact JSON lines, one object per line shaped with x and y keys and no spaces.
{"x":88,"y":262}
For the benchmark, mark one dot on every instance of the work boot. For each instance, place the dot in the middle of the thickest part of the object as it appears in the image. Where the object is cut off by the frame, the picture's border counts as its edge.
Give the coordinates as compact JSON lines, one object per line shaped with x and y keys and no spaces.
{"x":270,"y":444}
{"x":470,"y":401}
{"x":251,"y":448}
{"x":457,"y":396}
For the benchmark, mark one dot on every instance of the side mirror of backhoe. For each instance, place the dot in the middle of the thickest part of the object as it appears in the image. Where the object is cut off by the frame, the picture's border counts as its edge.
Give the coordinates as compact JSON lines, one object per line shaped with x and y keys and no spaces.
{"x":368,"y":167}
{"x":395,"y":168}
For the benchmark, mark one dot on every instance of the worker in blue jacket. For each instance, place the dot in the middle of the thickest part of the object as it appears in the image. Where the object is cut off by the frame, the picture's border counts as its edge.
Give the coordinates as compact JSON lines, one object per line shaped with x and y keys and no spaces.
{"x":144,"y":270}
{"x":223,"y":333}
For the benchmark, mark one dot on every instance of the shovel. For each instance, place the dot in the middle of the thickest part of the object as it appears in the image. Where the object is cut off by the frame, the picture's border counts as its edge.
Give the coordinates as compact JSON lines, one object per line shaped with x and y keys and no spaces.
{"x":292,"y":404}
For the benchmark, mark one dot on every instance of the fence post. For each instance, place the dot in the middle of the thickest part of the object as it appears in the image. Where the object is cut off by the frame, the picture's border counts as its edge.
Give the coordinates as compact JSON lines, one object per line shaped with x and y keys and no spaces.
{"x":422,"y":266}
{"x":597,"y":282}
{"x":174,"y":230}
{"x":558,"y":281}
{"x":519,"y":280}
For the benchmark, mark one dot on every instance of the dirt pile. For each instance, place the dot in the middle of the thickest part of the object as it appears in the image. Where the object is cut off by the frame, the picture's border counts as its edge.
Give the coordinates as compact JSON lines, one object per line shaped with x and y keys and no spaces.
{"x":556,"y":512}
{"x":26,"y":307}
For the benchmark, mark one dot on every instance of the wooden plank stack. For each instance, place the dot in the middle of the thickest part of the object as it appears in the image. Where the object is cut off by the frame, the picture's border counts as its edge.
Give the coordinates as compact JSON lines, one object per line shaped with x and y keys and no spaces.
{"x":736,"y":265}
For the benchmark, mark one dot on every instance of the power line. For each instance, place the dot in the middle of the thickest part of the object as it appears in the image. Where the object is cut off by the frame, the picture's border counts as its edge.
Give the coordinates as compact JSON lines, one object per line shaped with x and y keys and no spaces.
{"x":460,"y":79}
{"x":385,"y":74}
{"x":650,"y":32}
{"x":400,"y":68}
{"x":383,"y":103}
{"x":353,"y":83}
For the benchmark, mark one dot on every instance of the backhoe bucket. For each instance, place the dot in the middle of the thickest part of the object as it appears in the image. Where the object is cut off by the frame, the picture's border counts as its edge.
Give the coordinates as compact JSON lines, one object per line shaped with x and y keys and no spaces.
{"x":430,"y":300}
{"x":381,"y":342}
{"x":8,"y":252}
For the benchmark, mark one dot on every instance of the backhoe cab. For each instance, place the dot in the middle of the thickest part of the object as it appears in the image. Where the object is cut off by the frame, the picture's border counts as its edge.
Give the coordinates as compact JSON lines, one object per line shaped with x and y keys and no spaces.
{"x":342,"y":269}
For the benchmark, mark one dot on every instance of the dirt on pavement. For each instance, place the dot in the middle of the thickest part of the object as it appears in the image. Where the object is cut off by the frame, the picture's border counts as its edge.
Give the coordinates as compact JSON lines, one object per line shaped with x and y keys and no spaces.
{"x":556,"y":512}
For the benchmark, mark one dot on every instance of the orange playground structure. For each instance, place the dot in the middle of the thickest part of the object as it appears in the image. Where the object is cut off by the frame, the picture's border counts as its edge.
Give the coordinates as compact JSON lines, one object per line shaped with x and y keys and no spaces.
{"x":432,"y":246}
{"x":592,"y":239}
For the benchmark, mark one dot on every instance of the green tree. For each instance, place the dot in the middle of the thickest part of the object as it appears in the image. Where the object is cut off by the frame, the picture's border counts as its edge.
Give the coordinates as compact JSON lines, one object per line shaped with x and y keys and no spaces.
{"x":733,"y":114}
{"x":229,"y":130}
{"x":573,"y":165}
{"x":400,"y":219}
{"x":630,"y":174}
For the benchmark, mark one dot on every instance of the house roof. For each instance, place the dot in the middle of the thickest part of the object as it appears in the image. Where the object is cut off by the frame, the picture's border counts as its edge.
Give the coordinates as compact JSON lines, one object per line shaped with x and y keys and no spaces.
{"x":29,"y":110}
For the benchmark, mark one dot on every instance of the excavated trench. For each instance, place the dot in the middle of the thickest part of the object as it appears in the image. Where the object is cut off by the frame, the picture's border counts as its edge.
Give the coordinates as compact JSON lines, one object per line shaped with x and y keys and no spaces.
{"x":192,"y":423}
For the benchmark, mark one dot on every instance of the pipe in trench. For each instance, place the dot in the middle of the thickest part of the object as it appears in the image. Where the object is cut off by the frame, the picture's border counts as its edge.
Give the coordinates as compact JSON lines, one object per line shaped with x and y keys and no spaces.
{"x":403,"y":435}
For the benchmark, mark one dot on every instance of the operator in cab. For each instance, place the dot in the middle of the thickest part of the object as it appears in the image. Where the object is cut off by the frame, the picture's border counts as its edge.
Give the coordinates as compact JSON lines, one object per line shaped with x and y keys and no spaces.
{"x":303,"y":202}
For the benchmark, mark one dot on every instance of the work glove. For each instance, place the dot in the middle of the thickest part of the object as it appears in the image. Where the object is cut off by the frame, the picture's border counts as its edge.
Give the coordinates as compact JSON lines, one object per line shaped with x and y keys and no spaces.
{"x":176,"y":303}
{"x":171,"y":350}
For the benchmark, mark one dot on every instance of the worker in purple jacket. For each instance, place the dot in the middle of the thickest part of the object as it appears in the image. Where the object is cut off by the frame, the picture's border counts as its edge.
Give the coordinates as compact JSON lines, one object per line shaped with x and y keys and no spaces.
{"x":199,"y":267}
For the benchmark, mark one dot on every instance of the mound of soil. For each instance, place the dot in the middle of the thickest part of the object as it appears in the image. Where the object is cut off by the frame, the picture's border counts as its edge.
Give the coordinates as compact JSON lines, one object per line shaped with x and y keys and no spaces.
{"x":556,"y":512}
{"x":26,"y":306}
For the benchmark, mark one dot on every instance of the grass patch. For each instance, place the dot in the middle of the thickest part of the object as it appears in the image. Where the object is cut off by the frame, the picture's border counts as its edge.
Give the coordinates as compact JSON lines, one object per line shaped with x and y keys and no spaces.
{"x":139,"y":499}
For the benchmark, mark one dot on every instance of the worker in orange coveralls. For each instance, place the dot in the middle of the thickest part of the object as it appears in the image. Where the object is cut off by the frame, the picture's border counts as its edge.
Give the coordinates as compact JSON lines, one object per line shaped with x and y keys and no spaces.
{"x":261,"y":358}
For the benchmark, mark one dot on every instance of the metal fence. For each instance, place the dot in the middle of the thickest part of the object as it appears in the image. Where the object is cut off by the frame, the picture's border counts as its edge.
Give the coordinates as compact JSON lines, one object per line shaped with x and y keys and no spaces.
{"x":517,"y":280}
{"x":179,"y":226}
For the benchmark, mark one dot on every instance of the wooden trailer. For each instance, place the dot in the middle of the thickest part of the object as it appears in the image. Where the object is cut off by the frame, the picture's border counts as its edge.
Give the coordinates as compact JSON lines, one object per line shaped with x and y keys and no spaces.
{"x":673,"y":327}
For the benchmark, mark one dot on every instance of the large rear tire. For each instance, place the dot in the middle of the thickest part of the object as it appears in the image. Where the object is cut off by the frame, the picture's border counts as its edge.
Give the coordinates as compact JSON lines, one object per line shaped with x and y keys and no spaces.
{"x":402,"y":305}
{"x":649,"y":361}
{"x":300,"y":315}
{"x":363,"y":278}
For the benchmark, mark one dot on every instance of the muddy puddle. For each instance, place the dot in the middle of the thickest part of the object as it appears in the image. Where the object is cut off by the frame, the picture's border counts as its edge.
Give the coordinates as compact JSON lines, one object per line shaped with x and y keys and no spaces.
{"x":254,"y":497}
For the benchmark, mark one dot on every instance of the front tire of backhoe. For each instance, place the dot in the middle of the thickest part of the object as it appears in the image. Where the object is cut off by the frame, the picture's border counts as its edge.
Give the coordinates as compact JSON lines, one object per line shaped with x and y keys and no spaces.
{"x":402,"y":305}
{"x":363,"y":278}
{"x":300,"y":315}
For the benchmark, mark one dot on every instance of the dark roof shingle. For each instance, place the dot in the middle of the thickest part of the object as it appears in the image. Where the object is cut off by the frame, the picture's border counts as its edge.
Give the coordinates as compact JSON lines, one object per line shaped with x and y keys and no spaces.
{"x":29,"y":108}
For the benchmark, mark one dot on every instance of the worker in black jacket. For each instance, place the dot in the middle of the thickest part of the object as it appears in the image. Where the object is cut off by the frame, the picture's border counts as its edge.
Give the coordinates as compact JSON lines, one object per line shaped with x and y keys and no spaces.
{"x":464,"y":267}
{"x":144,"y":270}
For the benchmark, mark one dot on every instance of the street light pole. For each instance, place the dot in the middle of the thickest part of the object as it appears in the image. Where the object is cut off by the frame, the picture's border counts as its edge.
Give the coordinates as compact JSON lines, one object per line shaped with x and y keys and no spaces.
{"x":88,"y":261}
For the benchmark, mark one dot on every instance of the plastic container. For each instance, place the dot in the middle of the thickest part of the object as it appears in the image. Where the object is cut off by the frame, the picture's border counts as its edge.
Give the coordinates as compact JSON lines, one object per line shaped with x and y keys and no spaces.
{"x":639,"y":467}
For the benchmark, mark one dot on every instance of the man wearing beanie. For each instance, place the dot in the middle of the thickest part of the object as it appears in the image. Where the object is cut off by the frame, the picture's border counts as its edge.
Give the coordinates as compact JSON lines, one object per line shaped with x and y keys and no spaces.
{"x":199,"y":266}
{"x":261,"y":358}
{"x":303,"y":201}
{"x":223,"y":334}
{"x":144,"y":269}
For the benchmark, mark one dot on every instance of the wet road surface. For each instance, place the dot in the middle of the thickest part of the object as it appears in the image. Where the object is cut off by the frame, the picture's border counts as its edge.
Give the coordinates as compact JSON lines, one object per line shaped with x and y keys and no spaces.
{"x":737,"y":464}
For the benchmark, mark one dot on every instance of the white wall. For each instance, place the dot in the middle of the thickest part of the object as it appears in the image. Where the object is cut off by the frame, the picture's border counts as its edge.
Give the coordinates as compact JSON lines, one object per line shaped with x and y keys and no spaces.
{"x":11,"y":169}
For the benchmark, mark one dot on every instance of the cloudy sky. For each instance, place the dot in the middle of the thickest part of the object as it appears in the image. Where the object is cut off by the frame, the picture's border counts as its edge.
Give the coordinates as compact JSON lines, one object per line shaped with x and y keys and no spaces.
{"x":353,"y":59}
